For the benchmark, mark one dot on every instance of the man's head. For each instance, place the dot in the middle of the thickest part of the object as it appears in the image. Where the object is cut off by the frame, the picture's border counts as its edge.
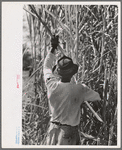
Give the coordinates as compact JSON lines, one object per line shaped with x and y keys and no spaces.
{"x":65,"y":68}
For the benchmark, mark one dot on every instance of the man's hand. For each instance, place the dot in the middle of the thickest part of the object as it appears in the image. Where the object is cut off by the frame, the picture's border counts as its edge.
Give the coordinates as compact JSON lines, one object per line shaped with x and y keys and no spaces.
{"x":54,"y":43}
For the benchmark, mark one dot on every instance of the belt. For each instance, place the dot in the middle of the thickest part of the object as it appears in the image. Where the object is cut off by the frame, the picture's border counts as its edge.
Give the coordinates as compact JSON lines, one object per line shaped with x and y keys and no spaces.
{"x":58,"y":123}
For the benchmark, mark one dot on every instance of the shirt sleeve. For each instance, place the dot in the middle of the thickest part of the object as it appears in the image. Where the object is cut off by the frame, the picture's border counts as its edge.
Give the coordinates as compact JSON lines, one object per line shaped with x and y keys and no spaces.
{"x":48,"y":64}
{"x":49,"y":77}
{"x":90,"y":95}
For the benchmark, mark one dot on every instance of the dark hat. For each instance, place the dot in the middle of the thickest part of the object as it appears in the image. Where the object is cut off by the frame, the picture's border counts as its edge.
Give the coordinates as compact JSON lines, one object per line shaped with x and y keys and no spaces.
{"x":65,"y":67}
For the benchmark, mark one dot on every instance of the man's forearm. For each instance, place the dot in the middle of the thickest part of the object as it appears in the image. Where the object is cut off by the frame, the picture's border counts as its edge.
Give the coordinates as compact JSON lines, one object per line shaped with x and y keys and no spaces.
{"x":48,"y":64}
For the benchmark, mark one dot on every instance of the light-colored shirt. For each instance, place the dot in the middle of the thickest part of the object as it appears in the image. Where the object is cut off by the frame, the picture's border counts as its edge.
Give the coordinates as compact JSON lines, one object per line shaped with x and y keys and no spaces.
{"x":65,"y":99}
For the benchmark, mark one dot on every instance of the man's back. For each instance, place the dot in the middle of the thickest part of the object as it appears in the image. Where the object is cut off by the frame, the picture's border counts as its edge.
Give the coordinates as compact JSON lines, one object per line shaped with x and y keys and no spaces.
{"x":65,"y":101}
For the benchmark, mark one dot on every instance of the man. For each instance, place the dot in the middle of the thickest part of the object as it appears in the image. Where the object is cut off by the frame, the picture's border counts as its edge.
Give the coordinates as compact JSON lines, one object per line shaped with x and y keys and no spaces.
{"x":65,"y":98}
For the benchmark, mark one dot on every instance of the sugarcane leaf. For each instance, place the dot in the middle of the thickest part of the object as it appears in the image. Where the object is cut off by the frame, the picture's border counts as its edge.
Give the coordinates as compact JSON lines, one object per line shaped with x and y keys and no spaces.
{"x":64,"y":26}
{"x":87,"y":136}
{"x":92,"y":110}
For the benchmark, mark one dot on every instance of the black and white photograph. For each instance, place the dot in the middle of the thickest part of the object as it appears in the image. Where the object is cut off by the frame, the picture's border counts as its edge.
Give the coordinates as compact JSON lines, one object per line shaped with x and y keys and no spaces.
{"x":70,"y":74}
{"x":69,"y":77}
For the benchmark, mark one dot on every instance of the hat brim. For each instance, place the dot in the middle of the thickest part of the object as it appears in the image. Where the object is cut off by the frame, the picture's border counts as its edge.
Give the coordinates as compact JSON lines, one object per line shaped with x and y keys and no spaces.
{"x":65,"y":73}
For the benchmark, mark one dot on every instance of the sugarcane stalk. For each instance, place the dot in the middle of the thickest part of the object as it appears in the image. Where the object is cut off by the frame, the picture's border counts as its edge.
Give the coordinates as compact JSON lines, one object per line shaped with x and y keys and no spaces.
{"x":71,"y":28}
{"x":103,"y":40}
{"x":83,"y":68}
{"x":61,"y":24}
{"x":48,"y":30}
{"x":67,"y":39}
{"x":111,"y":130}
{"x":38,"y":69}
{"x":77,"y":36}
{"x":92,"y":110}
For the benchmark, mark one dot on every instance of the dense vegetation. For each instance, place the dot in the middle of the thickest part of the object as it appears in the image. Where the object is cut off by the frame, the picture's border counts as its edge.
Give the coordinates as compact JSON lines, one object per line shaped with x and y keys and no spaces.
{"x":89,"y":35}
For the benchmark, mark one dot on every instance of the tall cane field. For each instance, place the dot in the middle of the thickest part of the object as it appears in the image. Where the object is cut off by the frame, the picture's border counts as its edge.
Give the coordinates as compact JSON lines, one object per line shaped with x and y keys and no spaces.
{"x":89,"y":35}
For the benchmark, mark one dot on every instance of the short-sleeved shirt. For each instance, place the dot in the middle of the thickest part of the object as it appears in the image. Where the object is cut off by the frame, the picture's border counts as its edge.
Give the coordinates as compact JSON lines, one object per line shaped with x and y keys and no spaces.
{"x":65,"y":99}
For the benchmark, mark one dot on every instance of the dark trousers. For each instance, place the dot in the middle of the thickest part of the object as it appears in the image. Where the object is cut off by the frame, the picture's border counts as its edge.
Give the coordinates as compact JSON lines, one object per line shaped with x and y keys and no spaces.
{"x":62,"y":135}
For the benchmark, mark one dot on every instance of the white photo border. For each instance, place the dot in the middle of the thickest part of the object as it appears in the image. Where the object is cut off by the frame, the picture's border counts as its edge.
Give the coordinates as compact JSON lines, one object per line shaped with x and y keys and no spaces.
{"x":12,"y":14}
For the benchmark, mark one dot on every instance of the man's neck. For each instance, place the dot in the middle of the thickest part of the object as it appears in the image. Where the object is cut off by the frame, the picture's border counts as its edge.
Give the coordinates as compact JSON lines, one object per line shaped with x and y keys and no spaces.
{"x":65,"y":80}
